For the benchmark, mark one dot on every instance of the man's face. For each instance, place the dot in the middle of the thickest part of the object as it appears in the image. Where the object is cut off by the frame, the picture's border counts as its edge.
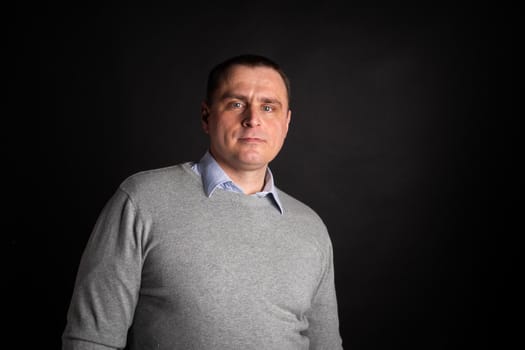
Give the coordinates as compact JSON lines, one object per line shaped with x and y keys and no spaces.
{"x":248,"y":118}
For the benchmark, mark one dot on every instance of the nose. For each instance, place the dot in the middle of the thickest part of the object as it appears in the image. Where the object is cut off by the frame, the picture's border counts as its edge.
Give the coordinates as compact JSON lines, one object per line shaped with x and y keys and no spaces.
{"x":251,"y":118}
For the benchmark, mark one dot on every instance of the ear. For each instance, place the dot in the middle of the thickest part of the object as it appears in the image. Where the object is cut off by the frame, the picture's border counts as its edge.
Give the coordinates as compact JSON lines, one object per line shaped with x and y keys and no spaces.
{"x":205,"y":114}
{"x":288,"y":119}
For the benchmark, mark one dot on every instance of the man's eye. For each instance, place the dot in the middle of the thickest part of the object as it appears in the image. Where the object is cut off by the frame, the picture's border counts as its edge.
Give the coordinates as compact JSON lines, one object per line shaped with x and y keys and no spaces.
{"x":236,"y":105}
{"x":267,"y":108}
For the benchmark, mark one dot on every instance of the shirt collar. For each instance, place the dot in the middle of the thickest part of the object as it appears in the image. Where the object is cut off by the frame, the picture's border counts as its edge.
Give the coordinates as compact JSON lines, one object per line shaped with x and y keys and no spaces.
{"x":214,"y":177}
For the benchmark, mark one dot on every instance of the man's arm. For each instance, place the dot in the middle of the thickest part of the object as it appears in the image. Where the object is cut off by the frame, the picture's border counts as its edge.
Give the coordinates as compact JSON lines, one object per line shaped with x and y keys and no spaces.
{"x":108,"y":280}
{"x":323,"y":330}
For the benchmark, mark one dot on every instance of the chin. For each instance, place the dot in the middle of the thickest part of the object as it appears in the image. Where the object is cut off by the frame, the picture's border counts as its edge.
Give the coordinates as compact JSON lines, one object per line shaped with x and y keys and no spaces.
{"x":253,"y":162}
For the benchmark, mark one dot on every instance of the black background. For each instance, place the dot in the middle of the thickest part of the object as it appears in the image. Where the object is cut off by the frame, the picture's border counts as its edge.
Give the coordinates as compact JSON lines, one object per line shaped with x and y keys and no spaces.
{"x":389,"y":108}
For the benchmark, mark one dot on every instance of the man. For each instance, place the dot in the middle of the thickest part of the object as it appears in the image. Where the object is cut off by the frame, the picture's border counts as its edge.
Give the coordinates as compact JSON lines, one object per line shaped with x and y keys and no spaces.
{"x":211,"y":255}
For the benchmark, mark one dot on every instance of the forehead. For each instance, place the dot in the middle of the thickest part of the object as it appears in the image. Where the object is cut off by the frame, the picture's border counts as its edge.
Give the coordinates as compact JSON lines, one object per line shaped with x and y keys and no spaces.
{"x":253,"y":80}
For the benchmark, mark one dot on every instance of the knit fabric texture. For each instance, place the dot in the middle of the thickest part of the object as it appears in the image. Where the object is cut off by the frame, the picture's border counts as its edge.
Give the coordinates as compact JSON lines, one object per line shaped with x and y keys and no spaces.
{"x":168,"y":268}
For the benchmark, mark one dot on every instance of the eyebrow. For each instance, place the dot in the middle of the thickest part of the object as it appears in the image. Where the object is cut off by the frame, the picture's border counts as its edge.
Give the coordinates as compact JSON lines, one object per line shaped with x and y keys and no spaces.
{"x":245,"y":98}
{"x":227,"y":96}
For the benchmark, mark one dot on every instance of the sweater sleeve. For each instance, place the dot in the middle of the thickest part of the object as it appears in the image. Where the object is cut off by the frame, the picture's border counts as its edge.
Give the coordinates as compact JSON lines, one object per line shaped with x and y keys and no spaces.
{"x":108,"y":280}
{"x":323,"y":320}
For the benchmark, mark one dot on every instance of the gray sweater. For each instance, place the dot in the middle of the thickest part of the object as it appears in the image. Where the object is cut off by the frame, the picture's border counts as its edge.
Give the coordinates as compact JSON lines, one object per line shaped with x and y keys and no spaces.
{"x":168,"y":268}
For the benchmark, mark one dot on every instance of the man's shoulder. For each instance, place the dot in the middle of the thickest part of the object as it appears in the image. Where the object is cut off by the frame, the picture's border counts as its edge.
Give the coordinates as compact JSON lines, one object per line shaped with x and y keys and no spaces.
{"x":304,"y":221}
{"x":296,"y":207}
{"x":295,"y":203}
{"x":157,"y":180}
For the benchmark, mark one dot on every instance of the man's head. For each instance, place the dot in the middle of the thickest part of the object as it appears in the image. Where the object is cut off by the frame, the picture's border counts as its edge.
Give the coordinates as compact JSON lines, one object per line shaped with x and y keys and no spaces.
{"x":218,"y":73}
{"x":246,"y":112}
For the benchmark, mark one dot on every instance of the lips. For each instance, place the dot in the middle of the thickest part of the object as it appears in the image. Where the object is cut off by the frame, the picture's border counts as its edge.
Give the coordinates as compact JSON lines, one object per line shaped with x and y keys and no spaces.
{"x":251,"y":139}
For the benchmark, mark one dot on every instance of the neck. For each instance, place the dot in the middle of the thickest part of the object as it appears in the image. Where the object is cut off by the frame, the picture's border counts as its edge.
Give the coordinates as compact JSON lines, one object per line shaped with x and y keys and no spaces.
{"x":249,"y":181}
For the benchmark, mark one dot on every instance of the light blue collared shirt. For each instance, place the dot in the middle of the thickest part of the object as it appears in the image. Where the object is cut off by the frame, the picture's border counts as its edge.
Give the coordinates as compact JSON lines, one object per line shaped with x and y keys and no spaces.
{"x":214,"y":177}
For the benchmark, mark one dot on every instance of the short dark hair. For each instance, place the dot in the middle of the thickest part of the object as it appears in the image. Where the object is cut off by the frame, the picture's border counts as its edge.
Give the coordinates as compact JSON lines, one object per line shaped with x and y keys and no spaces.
{"x":218,"y":73}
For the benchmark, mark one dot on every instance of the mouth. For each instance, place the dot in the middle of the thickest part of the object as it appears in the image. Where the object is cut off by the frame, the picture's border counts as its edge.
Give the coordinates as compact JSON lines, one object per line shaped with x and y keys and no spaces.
{"x":251,"y":140}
